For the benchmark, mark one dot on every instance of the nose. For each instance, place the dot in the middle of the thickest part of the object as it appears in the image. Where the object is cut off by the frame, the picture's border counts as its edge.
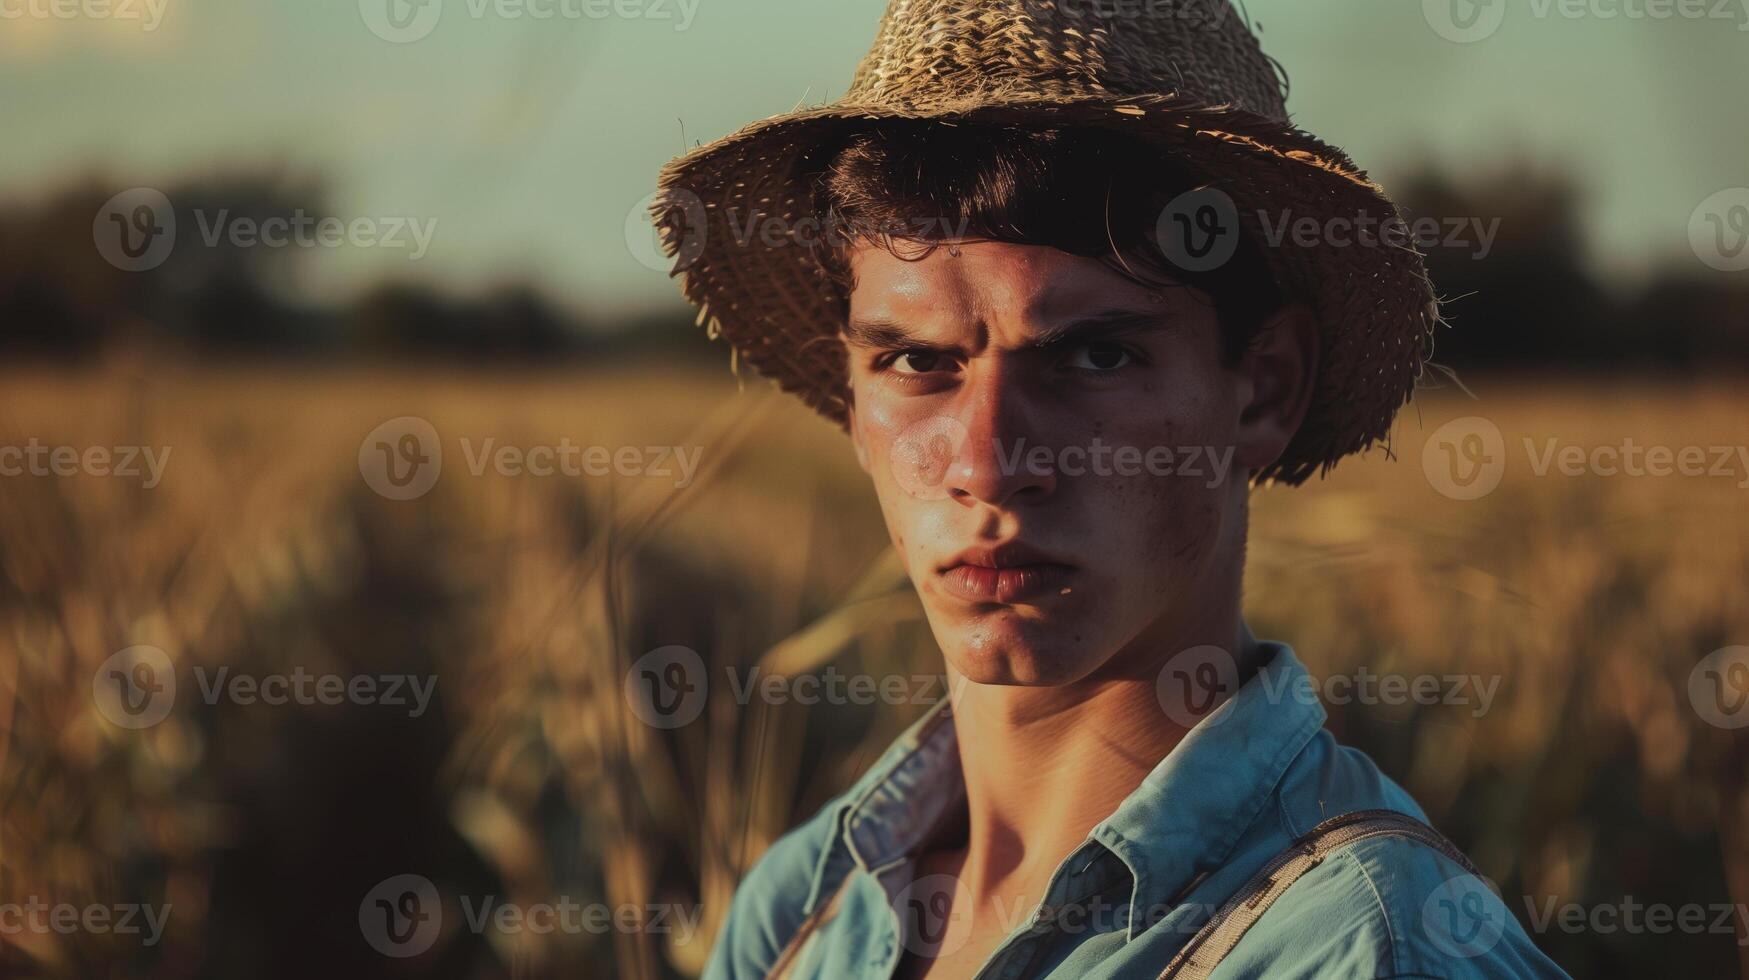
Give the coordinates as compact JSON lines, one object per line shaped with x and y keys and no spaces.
{"x":1000,"y":462}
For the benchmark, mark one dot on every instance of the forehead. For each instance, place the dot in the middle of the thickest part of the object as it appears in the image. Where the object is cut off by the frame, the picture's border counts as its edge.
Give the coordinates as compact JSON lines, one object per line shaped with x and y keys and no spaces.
{"x":992,"y":282}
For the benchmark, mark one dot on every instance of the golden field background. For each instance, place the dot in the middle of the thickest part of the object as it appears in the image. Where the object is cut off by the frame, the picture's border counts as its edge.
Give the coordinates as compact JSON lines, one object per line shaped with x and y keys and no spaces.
{"x":1590,"y":779}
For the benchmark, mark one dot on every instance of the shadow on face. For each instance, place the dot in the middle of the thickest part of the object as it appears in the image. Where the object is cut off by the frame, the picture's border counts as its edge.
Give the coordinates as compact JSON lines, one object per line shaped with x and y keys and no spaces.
{"x":1061,"y":453}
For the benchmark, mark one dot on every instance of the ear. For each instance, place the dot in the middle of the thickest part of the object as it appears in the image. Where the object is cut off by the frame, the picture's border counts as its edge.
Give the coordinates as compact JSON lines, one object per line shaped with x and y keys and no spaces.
{"x":1276,"y":376}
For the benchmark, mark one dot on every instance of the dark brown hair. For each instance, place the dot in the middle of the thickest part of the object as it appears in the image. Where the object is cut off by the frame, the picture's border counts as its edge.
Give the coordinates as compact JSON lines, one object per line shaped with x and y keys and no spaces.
{"x":1088,"y":192}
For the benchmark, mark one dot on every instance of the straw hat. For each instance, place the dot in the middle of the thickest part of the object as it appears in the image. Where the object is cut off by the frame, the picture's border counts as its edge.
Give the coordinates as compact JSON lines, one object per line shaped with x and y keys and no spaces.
{"x":1187,"y":75}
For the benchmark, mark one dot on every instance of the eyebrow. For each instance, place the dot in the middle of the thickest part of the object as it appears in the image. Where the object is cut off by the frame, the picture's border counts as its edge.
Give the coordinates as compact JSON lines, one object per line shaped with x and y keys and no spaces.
{"x":1103,"y":325}
{"x":882,"y":333}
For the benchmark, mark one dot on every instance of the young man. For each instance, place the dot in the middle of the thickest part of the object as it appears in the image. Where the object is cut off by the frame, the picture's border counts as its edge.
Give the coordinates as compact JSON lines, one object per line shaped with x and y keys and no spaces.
{"x":1024,"y":262}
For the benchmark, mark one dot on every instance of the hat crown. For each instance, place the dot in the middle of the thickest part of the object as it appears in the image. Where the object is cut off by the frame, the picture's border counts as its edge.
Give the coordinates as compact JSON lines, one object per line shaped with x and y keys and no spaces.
{"x":942,"y":52}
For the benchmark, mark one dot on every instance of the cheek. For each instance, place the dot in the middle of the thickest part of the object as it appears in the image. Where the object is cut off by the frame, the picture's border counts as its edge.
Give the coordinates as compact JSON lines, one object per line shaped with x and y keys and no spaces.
{"x":874,"y":413}
{"x":877,"y":428}
{"x":1166,"y":525}
{"x":1190,"y":394}
{"x":1193,"y":407}
{"x":1192,"y":414}
{"x":1153,"y":538}
{"x":911,"y":523}
{"x":928,"y":530}
{"x":882,"y":416}
{"x":908,"y":441}
{"x":1160,"y":512}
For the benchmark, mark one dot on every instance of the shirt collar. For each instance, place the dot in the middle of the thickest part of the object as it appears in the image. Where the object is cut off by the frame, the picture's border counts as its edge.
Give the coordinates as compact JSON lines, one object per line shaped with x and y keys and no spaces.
{"x":904,"y":795}
{"x":1184,"y":819}
{"x":1187,"y":816}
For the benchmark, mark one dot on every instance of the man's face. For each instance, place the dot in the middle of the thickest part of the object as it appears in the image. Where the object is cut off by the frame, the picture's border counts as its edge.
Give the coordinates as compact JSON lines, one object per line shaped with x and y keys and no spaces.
{"x":1060,"y":453}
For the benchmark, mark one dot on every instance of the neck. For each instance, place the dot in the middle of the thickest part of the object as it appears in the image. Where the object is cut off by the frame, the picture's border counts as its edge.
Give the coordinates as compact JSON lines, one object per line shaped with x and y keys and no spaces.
{"x":1043,"y":766}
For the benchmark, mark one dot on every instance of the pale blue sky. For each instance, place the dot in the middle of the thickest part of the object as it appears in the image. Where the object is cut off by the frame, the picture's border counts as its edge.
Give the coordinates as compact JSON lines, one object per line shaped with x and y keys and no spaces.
{"x":531,"y":141}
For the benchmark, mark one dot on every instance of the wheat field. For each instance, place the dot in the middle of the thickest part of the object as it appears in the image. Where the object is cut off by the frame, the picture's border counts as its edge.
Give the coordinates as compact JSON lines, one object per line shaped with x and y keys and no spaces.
{"x":1590,"y":599}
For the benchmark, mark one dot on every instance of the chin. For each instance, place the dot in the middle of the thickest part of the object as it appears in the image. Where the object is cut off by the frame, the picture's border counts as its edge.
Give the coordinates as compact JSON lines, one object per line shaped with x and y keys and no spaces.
{"x":1004,"y":648}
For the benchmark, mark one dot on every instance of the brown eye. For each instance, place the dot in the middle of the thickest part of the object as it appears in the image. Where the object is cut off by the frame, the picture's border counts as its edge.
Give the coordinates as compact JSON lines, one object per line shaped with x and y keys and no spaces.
{"x":919,"y":362}
{"x":1099,"y":357}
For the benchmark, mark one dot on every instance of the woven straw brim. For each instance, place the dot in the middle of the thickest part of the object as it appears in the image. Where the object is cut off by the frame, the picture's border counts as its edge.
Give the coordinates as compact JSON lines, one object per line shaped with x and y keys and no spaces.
{"x":779,"y":308}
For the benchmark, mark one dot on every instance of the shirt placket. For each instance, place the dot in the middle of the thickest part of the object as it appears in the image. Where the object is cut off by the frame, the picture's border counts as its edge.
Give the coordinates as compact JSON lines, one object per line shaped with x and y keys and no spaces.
{"x":1020,"y":953}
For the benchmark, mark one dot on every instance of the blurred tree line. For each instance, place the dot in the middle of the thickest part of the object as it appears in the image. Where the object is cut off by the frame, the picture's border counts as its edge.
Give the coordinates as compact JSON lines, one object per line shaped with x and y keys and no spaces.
{"x":1536,"y":301}
{"x":1532,"y":300}
{"x":60,"y":298}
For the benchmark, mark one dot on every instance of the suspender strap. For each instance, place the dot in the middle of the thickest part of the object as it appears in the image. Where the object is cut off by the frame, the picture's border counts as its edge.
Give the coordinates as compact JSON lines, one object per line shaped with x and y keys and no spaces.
{"x":786,"y":960}
{"x":1221,"y":933}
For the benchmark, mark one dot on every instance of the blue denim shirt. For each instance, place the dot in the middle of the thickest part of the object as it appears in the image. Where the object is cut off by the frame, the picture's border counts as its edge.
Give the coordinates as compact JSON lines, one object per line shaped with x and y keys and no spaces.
{"x":1241,"y":786}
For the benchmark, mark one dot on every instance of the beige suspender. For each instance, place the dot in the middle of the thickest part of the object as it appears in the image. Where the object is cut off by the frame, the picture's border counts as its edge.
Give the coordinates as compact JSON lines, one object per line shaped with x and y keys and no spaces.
{"x":1217,"y":938}
{"x":786,"y":960}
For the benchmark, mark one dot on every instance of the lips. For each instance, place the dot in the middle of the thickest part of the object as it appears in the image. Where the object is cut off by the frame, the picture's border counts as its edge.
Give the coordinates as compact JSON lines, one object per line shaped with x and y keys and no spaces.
{"x":1008,"y":574}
